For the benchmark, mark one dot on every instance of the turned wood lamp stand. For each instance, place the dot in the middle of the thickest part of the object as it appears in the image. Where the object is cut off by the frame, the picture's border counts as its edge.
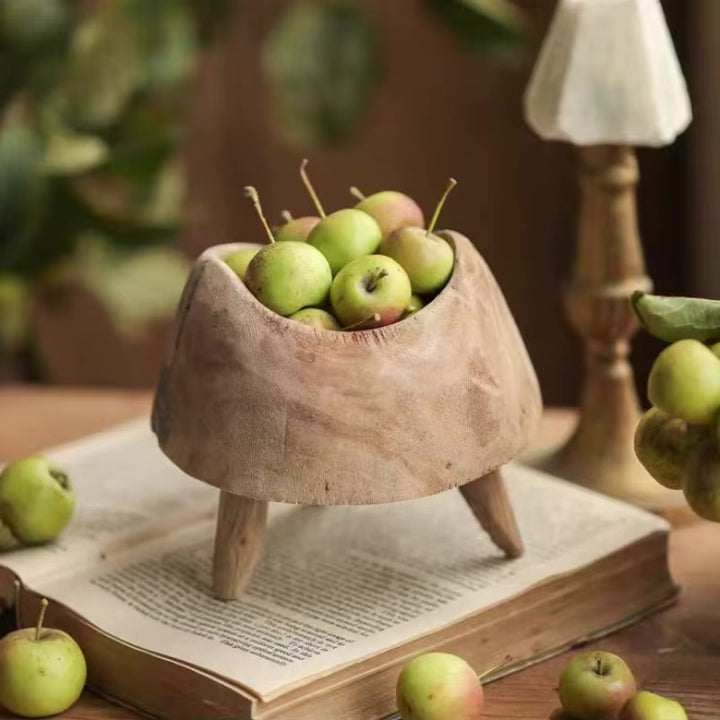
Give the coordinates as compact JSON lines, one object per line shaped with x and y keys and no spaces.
{"x":598,"y":87}
{"x":270,"y":410}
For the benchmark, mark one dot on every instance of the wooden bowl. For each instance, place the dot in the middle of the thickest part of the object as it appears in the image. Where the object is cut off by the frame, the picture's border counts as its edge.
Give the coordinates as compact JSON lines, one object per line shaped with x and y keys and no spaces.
{"x":271,"y":409}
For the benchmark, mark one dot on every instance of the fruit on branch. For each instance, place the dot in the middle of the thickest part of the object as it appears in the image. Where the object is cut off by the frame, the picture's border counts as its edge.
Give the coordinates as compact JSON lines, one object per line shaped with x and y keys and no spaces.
{"x":685,"y":382}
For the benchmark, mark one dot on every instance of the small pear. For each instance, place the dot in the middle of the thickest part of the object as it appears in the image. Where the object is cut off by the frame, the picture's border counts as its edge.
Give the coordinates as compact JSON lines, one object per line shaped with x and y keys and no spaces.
{"x":342,"y":236}
{"x":390,"y":209}
{"x":317,"y":318}
{"x":685,"y":382}
{"x":240,"y":259}
{"x":426,"y":258}
{"x":287,"y":276}
{"x":702,"y":482}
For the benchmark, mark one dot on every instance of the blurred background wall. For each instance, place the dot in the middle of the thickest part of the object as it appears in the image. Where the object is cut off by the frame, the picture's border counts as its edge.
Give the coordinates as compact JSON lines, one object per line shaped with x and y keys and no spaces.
{"x":440,"y":111}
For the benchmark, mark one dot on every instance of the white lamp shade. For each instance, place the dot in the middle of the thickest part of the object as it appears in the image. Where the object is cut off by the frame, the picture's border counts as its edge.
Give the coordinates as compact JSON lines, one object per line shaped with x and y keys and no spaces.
{"x":608,"y":74}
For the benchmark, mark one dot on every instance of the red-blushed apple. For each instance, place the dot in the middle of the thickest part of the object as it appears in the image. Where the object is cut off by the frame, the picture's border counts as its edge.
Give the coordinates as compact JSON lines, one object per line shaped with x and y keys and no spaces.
{"x":439,"y":686}
{"x":372,"y":290}
{"x":649,"y":706}
{"x":596,"y":686}
{"x":426,"y":258}
{"x":390,"y":209}
{"x":295,"y":229}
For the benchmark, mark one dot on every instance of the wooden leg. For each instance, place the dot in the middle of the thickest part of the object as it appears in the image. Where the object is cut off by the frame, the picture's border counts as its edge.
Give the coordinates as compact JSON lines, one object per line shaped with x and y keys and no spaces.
{"x":488,"y":499}
{"x":239,"y":541}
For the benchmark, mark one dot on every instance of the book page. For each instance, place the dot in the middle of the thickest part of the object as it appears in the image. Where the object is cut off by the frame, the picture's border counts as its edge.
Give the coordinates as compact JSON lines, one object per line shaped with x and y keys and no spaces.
{"x":126,"y":490}
{"x":340,"y":584}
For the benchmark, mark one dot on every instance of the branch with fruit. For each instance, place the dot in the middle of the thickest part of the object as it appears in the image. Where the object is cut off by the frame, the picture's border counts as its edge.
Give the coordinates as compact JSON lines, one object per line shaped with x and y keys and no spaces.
{"x":678,"y":439}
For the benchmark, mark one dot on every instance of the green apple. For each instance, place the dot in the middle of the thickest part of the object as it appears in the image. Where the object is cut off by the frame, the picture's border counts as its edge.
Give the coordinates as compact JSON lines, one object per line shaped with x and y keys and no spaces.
{"x":390,"y":209}
{"x":344,"y":235}
{"x":295,"y":229}
{"x":36,"y":500}
{"x":649,"y":706}
{"x":439,"y":686}
{"x":413,"y":306}
{"x":42,"y":671}
{"x":664,"y":446}
{"x":426,"y":258}
{"x":240,"y":259}
{"x":288,"y":276}
{"x":372,"y":290}
{"x":685,"y":382}
{"x":317,"y":318}
{"x":702,"y":482}
{"x":596,"y":686}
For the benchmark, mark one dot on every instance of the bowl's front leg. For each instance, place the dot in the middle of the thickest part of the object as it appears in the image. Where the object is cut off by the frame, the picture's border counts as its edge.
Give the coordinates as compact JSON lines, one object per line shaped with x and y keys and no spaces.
{"x":239,"y":542}
{"x":488,"y":499}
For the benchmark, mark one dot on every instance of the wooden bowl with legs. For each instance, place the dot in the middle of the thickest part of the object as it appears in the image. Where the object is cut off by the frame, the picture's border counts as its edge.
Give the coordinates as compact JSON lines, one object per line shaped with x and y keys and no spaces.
{"x":267,"y":409}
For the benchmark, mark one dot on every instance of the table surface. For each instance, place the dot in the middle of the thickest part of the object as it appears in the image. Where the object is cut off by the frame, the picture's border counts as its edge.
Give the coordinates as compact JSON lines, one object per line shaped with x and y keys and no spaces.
{"x":676,"y":653}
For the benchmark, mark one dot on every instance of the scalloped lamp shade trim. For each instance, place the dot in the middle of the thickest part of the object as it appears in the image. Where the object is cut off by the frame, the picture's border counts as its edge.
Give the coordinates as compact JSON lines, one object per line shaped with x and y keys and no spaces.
{"x":608,"y":74}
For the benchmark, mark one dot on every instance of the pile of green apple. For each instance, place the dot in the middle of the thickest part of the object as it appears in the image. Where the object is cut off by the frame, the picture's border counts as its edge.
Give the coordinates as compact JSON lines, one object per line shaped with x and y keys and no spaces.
{"x":42,"y":670}
{"x":593,"y":686}
{"x":678,"y":439}
{"x":37,"y":502}
{"x":354,"y":269}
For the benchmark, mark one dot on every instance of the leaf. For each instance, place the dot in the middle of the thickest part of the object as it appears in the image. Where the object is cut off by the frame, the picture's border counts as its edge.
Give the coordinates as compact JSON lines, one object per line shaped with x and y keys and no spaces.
{"x":70,"y":153}
{"x":484,"y":26}
{"x":323,"y":62}
{"x":678,"y":318}
{"x":23,"y":190}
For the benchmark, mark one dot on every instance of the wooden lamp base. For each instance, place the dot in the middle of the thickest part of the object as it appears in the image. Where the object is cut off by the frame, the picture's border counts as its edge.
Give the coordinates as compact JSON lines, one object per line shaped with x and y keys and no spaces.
{"x":270,"y":410}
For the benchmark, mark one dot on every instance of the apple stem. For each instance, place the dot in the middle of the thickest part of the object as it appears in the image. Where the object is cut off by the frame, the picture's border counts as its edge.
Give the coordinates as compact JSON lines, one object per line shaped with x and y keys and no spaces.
{"x":451,"y":184}
{"x":311,"y":189}
{"x":508,"y":659}
{"x":356,"y":193}
{"x":375,"y":279}
{"x":355,"y":326}
{"x":252,"y":194}
{"x":41,"y":617}
{"x":286,"y":216}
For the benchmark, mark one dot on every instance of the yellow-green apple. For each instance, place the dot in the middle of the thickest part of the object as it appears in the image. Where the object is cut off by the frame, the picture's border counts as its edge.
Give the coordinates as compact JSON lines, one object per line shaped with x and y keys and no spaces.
{"x":702,"y":482}
{"x":426,"y":258}
{"x":344,"y":235}
{"x":390,"y":209}
{"x":240,"y":259}
{"x":413,"y":306}
{"x":37,"y":500}
{"x":439,"y":686}
{"x":317,"y":318}
{"x":596,"y":686}
{"x":42,"y":671}
{"x":372,"y":290}
{"x":664,"y":446}
{"x":295,"y":229}
{"x":685,"y":382}
{"x":649,"y":706}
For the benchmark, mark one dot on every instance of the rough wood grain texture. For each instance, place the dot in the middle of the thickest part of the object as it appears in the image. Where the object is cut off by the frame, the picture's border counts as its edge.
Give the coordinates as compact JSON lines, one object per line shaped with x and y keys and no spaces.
{"x":674,"y":653}
{"x":488,"y":499}
{"x":271,"y":409}
{"x":239,"y":541}
{"x":609,"y":266}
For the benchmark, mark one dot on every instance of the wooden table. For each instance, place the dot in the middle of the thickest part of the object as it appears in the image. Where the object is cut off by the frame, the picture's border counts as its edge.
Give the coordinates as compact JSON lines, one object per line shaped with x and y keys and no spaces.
{"x":676,"y":653}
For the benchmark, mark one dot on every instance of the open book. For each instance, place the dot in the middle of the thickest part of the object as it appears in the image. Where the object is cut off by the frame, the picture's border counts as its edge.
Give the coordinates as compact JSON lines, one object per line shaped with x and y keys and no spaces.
{"x":343,"y":598}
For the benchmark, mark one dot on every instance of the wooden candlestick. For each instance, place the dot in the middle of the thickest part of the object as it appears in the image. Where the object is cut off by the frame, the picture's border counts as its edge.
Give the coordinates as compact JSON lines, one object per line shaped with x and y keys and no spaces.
{"x":609,"y":266}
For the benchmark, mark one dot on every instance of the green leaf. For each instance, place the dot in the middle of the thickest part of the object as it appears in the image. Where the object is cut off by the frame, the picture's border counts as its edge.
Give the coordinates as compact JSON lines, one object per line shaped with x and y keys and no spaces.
{"x":134,"y":286}
{"x":23,"y":191}
{"x":484,"y":26}
{"x":678,"y":318}
{"x":71,"y":153}
{"x":323,"y":61}
{"x":30,"y":22}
